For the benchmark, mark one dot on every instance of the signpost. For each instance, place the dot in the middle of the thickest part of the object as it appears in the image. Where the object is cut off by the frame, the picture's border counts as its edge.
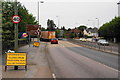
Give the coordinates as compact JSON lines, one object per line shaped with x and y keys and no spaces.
{"x":16,"y":20}
{"x":16,"y":59}
{"x":32,"y":30}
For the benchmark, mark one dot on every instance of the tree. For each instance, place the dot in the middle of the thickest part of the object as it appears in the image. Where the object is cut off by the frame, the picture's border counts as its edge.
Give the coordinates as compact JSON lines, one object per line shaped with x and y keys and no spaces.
{"x":111,"y":29}
{"x":82,"y":28}
{"x":69,"y":29}
{"x":64,"y":28}
{"x":8,"y":25}
{"x":51,"y":25}
{"x":43,"y":29}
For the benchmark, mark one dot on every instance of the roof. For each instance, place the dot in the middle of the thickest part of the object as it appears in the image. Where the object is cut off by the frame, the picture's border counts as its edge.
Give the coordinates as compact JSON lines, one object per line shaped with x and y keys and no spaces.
{"x":92,"y":30}
{"x":76,"y":30}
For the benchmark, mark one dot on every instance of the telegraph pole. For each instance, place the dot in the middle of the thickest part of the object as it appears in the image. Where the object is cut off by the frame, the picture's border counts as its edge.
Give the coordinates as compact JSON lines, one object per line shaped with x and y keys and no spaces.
{"x":16,"y":31}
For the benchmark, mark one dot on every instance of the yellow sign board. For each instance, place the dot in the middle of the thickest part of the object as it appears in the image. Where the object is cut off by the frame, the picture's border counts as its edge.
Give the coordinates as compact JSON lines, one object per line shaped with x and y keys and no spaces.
{"x":37,"y":44}
{"x":16,"y":59}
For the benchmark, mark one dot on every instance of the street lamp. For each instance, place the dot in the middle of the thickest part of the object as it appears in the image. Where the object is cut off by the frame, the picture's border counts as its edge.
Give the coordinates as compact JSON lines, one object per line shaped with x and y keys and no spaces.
{"x":58,"y":21}
{"x":118,"y":9}
{"x":38,"y":16}
{"x":39,"y":10}
{"x":98,"y":22}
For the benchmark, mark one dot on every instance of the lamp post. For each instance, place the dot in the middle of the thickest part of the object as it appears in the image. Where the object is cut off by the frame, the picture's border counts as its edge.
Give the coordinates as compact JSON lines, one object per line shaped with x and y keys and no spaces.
{"x":39,"y":10}
{"x":38,"y":16}
{"x":118,"y":9}
{"x":98,"y":22}
{"x":58,"y":21}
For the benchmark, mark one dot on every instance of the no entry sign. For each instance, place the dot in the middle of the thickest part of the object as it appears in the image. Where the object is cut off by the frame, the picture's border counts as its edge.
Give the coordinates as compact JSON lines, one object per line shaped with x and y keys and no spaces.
{"x":16,"y":19}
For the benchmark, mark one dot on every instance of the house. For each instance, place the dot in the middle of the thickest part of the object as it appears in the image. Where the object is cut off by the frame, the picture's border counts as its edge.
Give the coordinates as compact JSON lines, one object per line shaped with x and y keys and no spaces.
{"x":76,"y":32}
{"x":91,"y":32}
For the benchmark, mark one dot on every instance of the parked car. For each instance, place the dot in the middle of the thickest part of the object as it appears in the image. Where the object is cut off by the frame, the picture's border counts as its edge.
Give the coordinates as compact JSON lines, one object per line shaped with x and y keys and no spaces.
{"x":89,"y":39}
{"x":83,"y":39}
{"x":60,"y":38}
{"x":54,"y":41}
{"x":103,"y":42}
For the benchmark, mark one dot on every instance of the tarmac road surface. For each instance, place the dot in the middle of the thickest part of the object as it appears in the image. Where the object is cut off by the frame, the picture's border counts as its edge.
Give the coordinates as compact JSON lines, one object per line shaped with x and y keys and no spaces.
{"x":68,"y":60}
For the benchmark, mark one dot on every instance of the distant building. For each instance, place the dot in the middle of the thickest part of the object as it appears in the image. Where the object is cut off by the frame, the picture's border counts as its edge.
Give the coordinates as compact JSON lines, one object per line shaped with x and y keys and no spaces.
{"x":91,"y":32}
{"x":76,"y":32}
{"x":118,"y":8}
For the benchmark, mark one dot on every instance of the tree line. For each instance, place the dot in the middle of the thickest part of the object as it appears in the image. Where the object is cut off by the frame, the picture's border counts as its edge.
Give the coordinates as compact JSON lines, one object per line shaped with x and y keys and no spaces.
{"x":8,"y":25}
{"x":111,"y":29}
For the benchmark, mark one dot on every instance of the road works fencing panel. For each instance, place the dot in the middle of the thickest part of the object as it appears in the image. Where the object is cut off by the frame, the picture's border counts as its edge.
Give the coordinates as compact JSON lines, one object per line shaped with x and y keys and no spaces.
{"x":16,"y":59}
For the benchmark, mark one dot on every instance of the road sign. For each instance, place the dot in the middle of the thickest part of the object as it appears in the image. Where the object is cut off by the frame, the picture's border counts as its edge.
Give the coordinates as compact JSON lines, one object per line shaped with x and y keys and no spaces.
{"x":33,"y":29}
{"x":24,"y":35}
{"x":16,"y":19}
{"x":16,"y":59}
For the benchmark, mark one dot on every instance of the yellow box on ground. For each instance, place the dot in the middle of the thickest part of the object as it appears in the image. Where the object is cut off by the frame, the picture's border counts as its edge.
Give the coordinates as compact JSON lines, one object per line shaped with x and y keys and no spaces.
{"x":37,"y":44}
{"x":16,"y":59}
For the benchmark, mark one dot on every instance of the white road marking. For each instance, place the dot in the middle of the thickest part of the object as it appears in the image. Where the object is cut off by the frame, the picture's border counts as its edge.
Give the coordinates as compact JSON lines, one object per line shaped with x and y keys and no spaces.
{"x":53,"y":75}
{"x":102,"y":64}
{"x":111,"y":68}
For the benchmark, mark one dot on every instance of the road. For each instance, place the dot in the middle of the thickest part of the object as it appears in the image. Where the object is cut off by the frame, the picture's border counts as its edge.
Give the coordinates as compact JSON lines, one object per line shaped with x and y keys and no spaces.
{"x":68,"y":60}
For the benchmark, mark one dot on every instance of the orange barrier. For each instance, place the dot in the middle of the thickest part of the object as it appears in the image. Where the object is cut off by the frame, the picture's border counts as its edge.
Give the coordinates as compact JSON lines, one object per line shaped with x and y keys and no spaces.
{"x":36,"y":44}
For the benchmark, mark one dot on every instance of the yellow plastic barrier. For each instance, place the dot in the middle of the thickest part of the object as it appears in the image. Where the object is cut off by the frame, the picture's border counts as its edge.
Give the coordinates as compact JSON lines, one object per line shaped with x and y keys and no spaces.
{"x":36,"y":44}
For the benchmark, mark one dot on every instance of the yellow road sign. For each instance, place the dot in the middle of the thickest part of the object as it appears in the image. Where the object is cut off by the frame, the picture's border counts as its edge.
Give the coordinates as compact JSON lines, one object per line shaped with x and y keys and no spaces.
{"x":37,"y":44}
{"x":16,"y":59}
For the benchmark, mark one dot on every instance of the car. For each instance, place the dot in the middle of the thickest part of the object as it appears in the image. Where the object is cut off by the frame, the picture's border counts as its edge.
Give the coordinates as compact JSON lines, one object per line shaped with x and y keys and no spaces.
{"x":89,"y":39}
{"x":54,"y":41}
{"x":60,"y":38}
{"x":83,"y":39}
{"x":103,"y":42}
{"x":64,"y":39}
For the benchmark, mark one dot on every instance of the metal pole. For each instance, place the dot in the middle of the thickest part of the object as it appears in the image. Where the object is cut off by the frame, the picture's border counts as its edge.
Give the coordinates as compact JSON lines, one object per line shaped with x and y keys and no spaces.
{"x":98,"y":22}
{"x":38,"y":12}
{"x":118,"y":9}
{"x":58,"y":20}
{"x":38,"y":21}
{"x":29,"y":40}
{"x":16,"y":31}
{"x":16,"y":27}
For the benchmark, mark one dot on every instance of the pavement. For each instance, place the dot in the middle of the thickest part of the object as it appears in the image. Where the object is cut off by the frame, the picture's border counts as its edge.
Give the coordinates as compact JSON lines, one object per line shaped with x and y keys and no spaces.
{"x":37,"y":64}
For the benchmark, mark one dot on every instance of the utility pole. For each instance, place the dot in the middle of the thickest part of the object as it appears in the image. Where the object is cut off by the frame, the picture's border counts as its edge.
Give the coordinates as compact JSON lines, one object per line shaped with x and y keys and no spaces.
{"x":16,"y":31}
{"x":98,"y":22}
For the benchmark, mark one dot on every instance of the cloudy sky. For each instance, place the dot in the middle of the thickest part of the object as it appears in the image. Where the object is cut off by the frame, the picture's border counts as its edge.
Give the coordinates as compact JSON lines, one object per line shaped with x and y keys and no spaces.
{"x":72,"y":13}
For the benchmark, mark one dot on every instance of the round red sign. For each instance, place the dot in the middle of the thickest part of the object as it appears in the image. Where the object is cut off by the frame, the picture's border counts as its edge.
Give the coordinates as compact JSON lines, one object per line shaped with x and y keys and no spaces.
{"x":16,"y":19}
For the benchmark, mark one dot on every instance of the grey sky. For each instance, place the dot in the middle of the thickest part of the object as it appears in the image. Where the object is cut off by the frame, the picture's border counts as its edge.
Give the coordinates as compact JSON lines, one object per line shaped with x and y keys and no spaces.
{"x":73,"y":13}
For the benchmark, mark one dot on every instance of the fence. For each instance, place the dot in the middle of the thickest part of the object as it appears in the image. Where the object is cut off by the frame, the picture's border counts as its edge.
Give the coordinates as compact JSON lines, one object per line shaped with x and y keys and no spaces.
{"x":111,"y":48}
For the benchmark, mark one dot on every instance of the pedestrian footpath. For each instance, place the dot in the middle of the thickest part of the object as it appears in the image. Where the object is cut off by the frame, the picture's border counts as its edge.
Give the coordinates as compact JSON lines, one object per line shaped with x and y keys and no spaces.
{"x":37,"y":64}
